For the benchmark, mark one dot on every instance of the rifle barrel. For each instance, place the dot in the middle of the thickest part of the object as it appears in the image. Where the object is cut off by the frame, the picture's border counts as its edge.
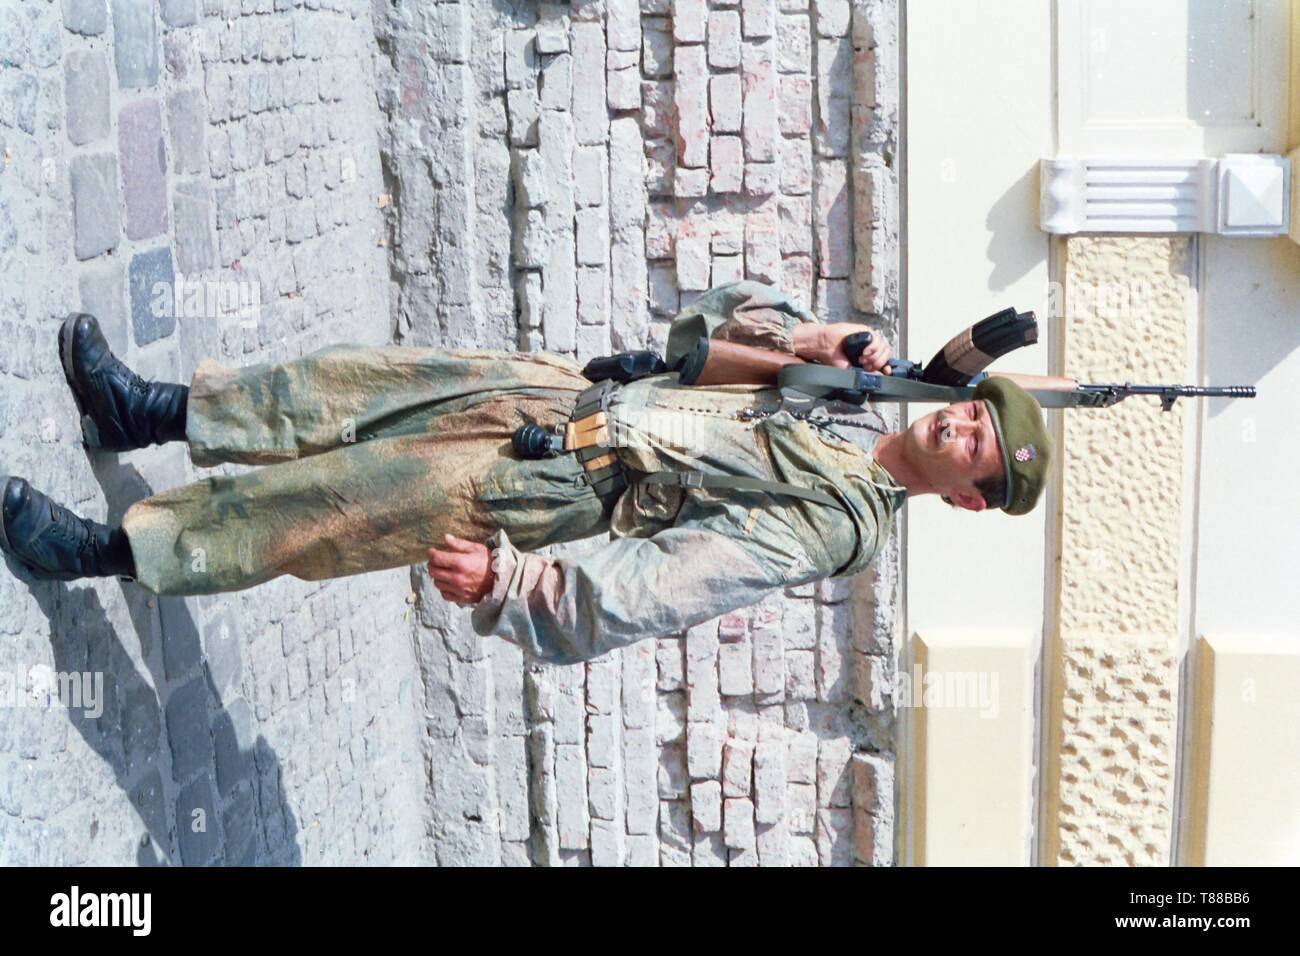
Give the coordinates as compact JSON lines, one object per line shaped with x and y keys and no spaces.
{"x":1208,"y":391}
{"x":1106,"y":395}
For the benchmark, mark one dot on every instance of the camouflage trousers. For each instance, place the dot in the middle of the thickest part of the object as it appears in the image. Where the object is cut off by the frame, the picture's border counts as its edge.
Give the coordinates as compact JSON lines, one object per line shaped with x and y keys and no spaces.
{"x":370,"y":455}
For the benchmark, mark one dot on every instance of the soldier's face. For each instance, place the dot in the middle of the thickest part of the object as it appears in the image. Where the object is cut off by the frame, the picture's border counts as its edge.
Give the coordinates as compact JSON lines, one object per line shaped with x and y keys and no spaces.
{"x":954,"y":448}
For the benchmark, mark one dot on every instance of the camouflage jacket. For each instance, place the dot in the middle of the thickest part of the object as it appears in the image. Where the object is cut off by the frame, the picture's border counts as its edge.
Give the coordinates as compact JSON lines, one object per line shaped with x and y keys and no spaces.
{"x":682,"y":556}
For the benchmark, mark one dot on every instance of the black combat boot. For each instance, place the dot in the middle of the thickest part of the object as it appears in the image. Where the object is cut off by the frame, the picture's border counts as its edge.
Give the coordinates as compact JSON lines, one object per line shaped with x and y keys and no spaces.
{"x":55,"y":544}
{"x":120,"y":411}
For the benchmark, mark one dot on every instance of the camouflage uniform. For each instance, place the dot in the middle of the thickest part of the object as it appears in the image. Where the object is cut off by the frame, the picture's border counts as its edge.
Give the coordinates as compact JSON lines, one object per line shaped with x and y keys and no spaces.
{"x":375,"y":453}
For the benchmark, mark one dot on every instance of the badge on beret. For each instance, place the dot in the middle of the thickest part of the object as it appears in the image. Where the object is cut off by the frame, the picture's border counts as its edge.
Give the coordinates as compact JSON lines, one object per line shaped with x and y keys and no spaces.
{"x":1025,"y":453}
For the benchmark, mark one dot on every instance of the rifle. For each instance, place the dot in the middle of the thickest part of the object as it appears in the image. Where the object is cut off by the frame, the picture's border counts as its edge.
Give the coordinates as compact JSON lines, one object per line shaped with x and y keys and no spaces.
{"x":951,"y":376}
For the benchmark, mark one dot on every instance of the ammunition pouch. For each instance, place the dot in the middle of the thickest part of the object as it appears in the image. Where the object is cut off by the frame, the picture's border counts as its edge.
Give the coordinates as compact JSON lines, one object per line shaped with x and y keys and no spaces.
{"x":587,"y":436}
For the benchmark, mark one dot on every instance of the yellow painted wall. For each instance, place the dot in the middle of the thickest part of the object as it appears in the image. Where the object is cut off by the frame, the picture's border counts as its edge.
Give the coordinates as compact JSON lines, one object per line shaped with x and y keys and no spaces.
{"x":1243,"y":792}
{"x":1112,"y":674}
{"x":971,"y":697}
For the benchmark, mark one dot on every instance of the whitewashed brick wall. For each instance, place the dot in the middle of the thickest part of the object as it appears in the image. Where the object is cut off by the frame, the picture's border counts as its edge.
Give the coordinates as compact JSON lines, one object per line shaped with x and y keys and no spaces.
{"x":568,"y":176}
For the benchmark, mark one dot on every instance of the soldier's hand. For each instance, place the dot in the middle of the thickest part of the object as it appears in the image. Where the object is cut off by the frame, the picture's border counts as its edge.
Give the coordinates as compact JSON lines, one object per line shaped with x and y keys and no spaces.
{"x":824,"y":343}
{"x":461,"y":570}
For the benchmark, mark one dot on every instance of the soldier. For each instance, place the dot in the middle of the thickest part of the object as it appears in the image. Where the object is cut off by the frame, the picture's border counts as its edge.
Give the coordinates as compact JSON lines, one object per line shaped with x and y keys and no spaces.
{"x":374,"y":454}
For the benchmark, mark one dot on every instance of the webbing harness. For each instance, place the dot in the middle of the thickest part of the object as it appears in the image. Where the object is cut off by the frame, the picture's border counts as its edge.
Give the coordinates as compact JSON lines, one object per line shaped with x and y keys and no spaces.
{"x":608,"y":477}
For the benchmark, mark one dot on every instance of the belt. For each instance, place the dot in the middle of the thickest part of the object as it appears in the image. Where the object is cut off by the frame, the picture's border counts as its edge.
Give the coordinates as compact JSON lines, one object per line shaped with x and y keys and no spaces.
{"x":587,"y":435}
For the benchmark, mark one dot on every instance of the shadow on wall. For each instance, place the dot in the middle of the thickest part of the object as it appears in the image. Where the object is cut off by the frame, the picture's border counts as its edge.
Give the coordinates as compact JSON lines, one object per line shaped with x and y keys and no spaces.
{"x":1220,"y":37}
{"x":227,"y":799}
{"x":1013,"y":217}
{"x":1245,"y":339}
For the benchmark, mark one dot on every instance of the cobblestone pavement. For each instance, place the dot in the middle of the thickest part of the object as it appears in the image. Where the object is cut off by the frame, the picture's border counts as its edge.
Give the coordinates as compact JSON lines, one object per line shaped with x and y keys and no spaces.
{"x":514,"y":175}
{"x":228,"y":151}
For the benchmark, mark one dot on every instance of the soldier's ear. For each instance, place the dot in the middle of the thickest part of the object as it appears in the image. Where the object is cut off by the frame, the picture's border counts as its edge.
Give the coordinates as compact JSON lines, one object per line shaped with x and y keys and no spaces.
{"x":969,"y":502}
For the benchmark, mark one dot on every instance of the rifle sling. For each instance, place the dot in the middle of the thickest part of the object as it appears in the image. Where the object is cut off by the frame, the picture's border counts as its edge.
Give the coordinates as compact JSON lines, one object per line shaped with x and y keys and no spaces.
{"x":809,"y":383}
{"x":696,"y":479}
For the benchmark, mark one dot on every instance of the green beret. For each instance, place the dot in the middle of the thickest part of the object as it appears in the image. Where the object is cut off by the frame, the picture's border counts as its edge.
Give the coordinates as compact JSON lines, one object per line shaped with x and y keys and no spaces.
{"x":1022,"y":438}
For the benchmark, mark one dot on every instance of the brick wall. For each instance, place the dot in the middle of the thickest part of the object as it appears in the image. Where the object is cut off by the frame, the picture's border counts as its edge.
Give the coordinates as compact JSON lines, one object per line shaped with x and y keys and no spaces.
{"x":513,"y":175}
{"x":567,"y":176}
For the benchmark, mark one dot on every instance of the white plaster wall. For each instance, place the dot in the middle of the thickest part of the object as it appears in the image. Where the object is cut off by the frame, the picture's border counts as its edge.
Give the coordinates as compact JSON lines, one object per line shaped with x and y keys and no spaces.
{"x":1248,"y":542}
{"x":979,"y":117}
{"x":973,"y":247}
